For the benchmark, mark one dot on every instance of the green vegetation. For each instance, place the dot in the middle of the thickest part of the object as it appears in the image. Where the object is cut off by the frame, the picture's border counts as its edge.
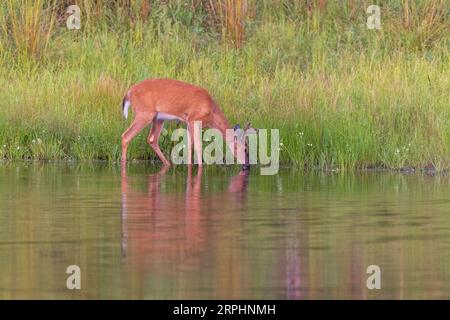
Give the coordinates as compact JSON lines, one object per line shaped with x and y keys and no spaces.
{"x":343,"y":96}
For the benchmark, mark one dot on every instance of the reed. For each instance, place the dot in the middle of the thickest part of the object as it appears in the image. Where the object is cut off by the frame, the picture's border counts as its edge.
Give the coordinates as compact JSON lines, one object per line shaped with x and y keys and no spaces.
{"x":27,"y":27}
{"x":230,"y":16}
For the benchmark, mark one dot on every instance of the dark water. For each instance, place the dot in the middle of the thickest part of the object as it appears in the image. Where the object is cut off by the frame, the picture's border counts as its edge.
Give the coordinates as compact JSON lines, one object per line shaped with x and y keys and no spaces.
{"x":221,"y":234}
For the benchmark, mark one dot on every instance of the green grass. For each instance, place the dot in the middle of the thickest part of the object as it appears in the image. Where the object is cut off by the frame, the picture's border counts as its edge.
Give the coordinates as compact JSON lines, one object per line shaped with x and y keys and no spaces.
{"x":341,"y":95}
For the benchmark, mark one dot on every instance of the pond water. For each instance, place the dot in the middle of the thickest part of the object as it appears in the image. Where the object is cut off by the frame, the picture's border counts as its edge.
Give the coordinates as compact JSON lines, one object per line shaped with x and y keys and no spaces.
{"x":221,"y":234}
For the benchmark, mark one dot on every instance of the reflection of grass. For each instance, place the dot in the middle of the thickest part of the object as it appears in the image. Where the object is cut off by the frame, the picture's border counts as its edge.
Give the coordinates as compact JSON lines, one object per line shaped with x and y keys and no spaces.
{"x":341,"y":95}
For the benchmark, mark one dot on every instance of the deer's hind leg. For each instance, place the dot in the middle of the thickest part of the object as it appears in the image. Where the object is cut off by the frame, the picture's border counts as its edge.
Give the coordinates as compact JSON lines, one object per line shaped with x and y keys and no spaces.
{"x":153,"y":138}
{"x":139,"y":123}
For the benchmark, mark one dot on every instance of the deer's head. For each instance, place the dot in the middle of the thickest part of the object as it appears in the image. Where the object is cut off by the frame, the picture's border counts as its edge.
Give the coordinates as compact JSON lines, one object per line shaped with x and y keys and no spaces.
{"x":248,"y":130}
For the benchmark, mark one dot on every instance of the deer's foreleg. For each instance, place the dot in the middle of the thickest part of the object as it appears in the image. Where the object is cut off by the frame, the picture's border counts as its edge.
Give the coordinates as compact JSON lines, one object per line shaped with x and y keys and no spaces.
{"x":190,"y":138}
{"x":198,"y":143}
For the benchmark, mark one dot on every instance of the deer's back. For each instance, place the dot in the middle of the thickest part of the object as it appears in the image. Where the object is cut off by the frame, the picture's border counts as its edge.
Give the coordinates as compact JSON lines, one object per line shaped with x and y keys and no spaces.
{"x":170,"y":96}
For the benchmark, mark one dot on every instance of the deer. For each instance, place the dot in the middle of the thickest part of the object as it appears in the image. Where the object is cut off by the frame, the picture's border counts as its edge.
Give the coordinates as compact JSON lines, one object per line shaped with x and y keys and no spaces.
{"x":154,"y":101}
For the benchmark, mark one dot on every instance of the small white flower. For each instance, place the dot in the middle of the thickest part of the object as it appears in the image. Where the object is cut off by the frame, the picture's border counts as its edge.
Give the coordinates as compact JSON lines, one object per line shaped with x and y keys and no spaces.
{"x":397,"y":151}
{"x":33,"y":141}
{"x":39,"y":141}
{"x":18,"y":148}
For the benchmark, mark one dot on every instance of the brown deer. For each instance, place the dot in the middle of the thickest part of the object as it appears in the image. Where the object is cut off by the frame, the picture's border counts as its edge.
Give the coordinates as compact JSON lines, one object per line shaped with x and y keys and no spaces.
{"x":154,"y":101}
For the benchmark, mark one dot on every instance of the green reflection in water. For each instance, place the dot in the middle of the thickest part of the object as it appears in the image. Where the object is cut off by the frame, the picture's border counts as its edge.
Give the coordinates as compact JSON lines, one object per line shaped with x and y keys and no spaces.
{"x":220,"y":234}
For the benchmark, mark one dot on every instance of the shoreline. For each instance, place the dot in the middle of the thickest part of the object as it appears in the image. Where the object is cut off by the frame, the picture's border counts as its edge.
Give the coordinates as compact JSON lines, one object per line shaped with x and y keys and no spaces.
{"x":405,"y":170}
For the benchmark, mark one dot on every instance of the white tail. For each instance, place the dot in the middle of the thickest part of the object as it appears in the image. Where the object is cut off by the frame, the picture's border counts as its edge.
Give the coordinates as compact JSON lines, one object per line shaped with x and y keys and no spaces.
{"x":125,"y":107}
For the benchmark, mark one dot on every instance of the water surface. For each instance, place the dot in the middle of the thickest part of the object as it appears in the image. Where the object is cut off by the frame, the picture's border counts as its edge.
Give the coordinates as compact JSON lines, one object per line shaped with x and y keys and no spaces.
{"x":220,"y":234}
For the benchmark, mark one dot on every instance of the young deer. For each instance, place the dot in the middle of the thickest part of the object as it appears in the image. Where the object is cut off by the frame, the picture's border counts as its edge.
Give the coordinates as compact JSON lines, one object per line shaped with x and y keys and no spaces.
{"x":156,"y":100}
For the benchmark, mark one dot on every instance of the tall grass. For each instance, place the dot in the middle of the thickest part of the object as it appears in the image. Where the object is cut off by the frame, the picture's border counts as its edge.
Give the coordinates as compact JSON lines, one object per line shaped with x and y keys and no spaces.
{"x":26,"y":27}
{"x":342,"y":96}
{"x":231,"y":16}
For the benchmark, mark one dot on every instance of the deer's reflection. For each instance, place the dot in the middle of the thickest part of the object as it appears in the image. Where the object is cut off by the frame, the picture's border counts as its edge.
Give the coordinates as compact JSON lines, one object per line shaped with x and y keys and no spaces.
{"x":170,"y":228}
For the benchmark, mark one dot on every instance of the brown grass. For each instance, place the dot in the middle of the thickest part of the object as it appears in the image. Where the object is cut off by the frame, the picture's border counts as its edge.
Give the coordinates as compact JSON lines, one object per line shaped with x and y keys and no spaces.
{"x":28,"y":26}
{"x":230,"y":16}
